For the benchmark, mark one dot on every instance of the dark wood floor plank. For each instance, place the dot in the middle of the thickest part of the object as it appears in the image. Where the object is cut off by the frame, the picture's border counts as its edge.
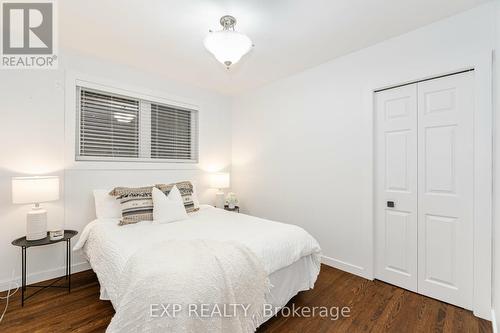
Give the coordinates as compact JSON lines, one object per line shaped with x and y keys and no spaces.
{"x":375,"y":307}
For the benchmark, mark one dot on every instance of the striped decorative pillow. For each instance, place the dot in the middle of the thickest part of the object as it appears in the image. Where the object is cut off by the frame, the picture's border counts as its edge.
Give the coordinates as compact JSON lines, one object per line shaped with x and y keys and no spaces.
{"x":136,"y":203}
{"x":186,"y":189}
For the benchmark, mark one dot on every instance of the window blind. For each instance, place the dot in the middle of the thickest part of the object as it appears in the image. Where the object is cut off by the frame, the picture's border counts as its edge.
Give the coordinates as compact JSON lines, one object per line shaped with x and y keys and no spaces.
{"x":109,"y":125}
{"x":115,"y":127}
{"x":171,"y":133}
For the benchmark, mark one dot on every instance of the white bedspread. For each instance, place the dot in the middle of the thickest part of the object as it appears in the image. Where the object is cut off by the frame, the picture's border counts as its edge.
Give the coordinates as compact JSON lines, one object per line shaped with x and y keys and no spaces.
{"x":183,"y":273}
{"x":108,"y":246}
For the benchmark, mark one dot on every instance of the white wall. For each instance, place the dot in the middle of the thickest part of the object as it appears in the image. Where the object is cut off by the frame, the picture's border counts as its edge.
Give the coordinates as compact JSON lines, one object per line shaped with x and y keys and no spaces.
{"x":302,"y":146}
{"x":32,"y":132}
{"x":496,"y":187}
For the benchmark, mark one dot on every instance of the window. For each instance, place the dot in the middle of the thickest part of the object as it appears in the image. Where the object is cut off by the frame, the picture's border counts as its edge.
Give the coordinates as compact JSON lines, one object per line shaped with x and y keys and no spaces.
{"x":109,"y":125}
{"x":170,"y":132}
{"x":122,"y":128}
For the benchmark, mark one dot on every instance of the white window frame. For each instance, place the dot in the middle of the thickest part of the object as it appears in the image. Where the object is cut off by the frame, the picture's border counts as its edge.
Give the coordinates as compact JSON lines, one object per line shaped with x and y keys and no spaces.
{"x":72,"y":131}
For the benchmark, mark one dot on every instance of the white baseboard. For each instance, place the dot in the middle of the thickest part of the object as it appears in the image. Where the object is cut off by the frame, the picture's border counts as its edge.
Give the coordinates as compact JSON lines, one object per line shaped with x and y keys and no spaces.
{"x":45,"y":275}
{"x":345,"y":266}
{"x":494,"y":321}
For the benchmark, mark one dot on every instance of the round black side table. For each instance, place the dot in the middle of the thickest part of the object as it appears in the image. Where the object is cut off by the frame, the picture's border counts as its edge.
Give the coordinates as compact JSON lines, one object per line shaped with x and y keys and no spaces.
{"x":25,"y":244}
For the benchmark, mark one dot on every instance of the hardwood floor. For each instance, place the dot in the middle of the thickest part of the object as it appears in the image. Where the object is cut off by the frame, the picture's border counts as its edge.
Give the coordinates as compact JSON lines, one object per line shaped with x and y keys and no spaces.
{"x":374,"y":307}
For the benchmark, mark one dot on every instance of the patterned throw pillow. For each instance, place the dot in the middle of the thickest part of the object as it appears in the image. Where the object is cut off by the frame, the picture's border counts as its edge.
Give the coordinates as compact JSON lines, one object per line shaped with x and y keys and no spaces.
{"x":136,"y":203}
{"x":186,"y":189}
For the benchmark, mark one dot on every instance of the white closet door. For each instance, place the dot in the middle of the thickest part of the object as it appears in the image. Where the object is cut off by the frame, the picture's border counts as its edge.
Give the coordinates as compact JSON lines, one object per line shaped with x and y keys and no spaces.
{"x":396,"y":181}
{"x":445,"y":190}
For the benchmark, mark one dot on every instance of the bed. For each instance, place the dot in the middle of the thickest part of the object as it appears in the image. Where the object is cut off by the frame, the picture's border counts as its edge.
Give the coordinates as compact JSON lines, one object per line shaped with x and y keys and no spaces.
{"x":290,"y":256}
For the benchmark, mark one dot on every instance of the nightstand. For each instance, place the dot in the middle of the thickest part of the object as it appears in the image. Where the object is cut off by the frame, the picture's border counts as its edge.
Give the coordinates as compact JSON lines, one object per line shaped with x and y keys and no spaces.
{"x":236,"y":209}
{"x":25,"y":244}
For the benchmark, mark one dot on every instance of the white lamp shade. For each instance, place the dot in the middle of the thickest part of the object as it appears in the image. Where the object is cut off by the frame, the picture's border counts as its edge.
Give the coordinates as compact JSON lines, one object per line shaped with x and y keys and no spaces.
{"x":35,"y":189}
{"x":227,"y":46}
{"x":220,"y":180}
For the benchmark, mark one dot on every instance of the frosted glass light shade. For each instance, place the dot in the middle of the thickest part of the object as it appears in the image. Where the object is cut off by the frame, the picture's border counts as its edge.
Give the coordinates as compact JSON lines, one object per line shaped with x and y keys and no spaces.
{"x":227,"y":46}
{"x":220,"y":180}
{"x":35,"y":189}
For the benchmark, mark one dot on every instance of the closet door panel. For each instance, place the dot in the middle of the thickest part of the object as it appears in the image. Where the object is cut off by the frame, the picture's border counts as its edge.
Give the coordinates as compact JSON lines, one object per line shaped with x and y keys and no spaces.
{"x":396,"y":176}
{"x":445,"y":189}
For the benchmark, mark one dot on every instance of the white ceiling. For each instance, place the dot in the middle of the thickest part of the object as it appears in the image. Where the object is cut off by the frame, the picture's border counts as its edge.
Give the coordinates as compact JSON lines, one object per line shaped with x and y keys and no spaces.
{"x":165,"y":36}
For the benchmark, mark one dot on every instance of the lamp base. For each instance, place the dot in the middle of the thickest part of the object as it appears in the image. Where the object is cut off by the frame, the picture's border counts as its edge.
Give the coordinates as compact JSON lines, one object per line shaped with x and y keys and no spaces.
{"x":219,"y":199}
{"x":36,"y":224}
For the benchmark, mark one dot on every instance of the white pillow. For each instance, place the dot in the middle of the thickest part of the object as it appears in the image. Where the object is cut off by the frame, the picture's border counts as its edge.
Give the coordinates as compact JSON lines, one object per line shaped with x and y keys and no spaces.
{"x":106,"y":206}
{"x":169,"y":208}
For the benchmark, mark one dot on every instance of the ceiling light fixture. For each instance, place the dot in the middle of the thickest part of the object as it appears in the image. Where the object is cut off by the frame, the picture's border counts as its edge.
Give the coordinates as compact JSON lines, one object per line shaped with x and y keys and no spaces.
{"x":227,"y":45}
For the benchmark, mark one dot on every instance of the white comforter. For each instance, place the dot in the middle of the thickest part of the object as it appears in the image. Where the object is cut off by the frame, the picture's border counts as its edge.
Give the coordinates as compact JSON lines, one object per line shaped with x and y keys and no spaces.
{"x":183,"y":273}
{"x":277,"y":245}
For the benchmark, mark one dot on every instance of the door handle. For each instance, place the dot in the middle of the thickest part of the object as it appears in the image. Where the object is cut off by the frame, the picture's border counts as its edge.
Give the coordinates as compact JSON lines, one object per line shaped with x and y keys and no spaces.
{"x":390,"y":204}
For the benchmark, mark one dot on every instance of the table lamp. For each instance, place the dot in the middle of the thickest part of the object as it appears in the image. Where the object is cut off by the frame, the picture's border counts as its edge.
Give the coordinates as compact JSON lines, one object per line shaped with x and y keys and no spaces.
{"x":220,"y":181}
{"x":35,"y":190}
